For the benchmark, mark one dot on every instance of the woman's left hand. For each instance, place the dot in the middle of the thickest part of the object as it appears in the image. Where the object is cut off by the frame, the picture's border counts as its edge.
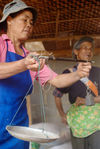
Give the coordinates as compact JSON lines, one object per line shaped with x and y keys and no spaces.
{"x":80,"y":101}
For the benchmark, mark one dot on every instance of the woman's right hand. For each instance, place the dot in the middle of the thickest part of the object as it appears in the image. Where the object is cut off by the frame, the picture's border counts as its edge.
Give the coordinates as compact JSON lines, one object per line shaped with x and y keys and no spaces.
{"x":83,"y":69}
{"x":32,"y":63}
{"x":64,"y":119}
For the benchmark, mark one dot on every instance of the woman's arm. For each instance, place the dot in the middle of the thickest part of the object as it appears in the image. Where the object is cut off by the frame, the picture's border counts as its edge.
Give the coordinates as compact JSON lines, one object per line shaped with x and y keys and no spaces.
{"x":82,"y":101}
{"x":12,"y":68}
{"x":97,"y":99}
{"x":65,"y":80}
{"x":60,"y":109}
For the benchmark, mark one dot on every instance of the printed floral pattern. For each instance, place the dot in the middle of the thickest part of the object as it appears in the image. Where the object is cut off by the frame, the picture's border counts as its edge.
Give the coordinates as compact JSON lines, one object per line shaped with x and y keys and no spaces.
{"x":84,"y":120}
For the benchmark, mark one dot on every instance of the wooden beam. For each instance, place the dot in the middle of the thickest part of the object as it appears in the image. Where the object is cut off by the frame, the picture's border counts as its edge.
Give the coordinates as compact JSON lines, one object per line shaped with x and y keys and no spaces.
{"x":64,"y":38}
{"x":49,"y":33}
{"x":71,"y":20}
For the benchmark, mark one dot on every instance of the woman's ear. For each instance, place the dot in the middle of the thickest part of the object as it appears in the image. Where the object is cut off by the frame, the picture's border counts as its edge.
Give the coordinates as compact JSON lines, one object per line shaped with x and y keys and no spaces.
{"x":75,"y":52}
{"x":9,"y":18}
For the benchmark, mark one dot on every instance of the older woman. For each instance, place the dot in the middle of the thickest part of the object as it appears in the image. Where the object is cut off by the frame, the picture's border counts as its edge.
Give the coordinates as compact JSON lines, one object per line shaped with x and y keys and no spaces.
{"x":18,"y":69}
{"x":83,"y":116}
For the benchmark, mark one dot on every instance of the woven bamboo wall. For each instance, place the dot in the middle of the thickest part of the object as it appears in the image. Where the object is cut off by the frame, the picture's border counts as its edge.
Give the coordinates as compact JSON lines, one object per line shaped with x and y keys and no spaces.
{"x":61,"y":22}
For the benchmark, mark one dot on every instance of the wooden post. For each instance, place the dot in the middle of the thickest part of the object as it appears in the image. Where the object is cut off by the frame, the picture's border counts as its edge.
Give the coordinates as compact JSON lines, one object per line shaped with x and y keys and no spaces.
{"x":29,"y":109}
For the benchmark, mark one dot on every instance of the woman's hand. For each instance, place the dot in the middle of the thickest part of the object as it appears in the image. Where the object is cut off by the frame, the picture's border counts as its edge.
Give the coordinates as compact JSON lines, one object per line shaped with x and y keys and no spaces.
{"x":64,"y":119}
{"x":80,"y":101}
{"x":33,"y":63}
{"x":83,"y":69}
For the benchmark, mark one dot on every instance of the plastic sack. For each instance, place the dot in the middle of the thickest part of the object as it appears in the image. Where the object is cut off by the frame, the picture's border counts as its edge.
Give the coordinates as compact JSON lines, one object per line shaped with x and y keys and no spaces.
{"x":35,"y":145}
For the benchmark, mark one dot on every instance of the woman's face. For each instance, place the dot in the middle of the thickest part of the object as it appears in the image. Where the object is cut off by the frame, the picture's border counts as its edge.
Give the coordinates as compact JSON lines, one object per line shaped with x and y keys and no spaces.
{"x":21,"y":26}
{"x":85,"y":52}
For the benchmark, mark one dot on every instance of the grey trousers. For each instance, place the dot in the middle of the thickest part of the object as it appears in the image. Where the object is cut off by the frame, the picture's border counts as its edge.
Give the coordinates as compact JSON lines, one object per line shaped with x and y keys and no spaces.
{"x":90,"y":142}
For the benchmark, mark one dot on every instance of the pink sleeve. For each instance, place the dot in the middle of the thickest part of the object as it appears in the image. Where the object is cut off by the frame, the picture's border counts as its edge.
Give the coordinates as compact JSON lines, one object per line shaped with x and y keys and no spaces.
{"x":44,"y":75}
{"x":2,"y":50}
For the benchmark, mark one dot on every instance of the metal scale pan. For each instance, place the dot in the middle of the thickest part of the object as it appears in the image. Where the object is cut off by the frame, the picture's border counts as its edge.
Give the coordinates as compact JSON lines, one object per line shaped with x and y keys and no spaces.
{"x":32,"y":134}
